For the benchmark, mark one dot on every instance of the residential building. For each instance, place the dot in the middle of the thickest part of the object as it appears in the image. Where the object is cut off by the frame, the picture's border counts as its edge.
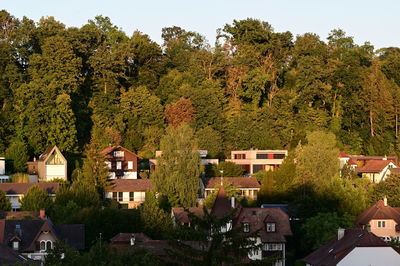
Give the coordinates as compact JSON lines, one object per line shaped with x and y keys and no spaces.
{"x":16,"y":191}
{"x":354,"y":247}
{"x":123,"y":163}
{"x":129,"y":193}
{"x":382,"y":220}
{"x":50,"y":165}
{"x":3,"y":176}
{"x":247,"y":186}
{"x":253,"y":161}
{"x":359,"y":161}
{"x":203,"y":159}
{"x":180,"y":216}
{"x":34,"y":238}
{"x":376,"y":170}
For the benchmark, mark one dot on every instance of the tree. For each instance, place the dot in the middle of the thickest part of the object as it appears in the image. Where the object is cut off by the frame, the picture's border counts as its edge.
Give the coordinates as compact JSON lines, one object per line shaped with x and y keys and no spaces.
{"x":389,"y":188}
{"x":95,"y":171}
{"x":178,"y":169}
{"x":5,"y":204}
{"x":36,"y":199}
{"x":180,"y":112}
{"x":17,"y":154}
{"x":229,"y":169}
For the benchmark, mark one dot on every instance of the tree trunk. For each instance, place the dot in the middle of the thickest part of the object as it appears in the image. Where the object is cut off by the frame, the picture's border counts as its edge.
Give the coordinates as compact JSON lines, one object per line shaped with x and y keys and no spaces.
{"x":371,"y":122}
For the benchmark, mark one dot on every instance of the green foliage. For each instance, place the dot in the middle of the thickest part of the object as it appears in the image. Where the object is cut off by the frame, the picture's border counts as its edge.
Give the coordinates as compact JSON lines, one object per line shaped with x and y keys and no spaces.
{"x":177,"y":175}
{"x":5,"y":204}
{"x":19,"y":178}
{"x":389,"y":188}
{"x":230,"y":190}
{"x":229,"y":169}
{"x":36,"y":199}
{"x":17,"y":155}
{"x":95,"y":170}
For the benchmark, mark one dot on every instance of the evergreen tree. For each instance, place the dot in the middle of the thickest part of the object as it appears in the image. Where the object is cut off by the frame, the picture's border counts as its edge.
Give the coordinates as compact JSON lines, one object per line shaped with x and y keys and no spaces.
{"x":17,"y":154}
{"x":5,"y":204}
{"x":36,"y":199}
{"x":95,"y":171}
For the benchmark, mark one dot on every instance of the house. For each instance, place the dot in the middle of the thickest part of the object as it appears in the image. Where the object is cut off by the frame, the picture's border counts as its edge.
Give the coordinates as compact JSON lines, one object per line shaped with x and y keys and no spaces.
{"x":34,"y":238}
{"x":3,"y":176}
{"x":359,"y":161}
{"x":129,"y":193}
{"x":121,"y":162}
{"x":203,"y":159}
{"x":248,"y":186}
{"x":354,"y":246}
{"x":16,"y":191}
{"x":50,"y":165}
{"x":180,"y":215}
{"x":382,"y":220}
{"x":253,"y":161}
{"x":376,"y":170}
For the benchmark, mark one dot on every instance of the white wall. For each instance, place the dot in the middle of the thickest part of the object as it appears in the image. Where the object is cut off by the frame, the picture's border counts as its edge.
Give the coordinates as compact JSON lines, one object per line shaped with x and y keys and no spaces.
{"x":55,"y":171}
{"x":371,"y":256}
{"x":130,"y":175}
{"x":2,"y":166}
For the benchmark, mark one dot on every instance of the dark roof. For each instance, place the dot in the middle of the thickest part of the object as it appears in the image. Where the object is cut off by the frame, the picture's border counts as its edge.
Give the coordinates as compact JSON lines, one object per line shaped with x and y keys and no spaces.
{"x":181,"y":216}
{"x":238,"y":182}
{"x":110,"y":149}
{"x":257,"y":219}
{"x":126,"y":238}
{"x":11,"y":257}
{"x":22,"y":188}
{"x":335,"y":250}
{"x":374,"y":166}
{"x":222,"y":205}
{"x":19,"y":215}
{"x":378,"y":211}
{"x":29,"y":230}
{"x":130,"y":185}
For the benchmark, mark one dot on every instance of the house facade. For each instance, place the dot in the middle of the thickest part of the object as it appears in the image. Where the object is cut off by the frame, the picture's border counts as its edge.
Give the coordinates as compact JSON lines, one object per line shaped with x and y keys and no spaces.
{"x":50,"y":165}
{"x":382,"y":220}
{"x":203,"y":159}
{"x":3,"y":176}
{"x":129,"y":193}
{"x":16,"y":191}
{"x":253,"y":161}
{"x":34,"y":238}
{"x":248,"y":187}
{"x":354,"y":246}
{"x":376,"y":170}
{"x":123,"y":163}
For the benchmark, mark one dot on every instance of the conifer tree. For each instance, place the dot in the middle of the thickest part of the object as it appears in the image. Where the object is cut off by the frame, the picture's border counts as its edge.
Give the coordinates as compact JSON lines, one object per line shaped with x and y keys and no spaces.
{"x":95,"y":171}
{"x":36,"y":199}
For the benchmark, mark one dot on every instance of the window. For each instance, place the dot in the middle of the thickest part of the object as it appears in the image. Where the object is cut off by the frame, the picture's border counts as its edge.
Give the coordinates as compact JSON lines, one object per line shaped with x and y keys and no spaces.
{"x":15,"y":245}
{"x":42,"y":245}
{"x":246,"y":227}
{"x":279,"y":156}
{"x":258,"y":168}
{"x":130,"y":165}
{"x":54,"y":159}
{"x":240,"y":156}
{"x":119,"y":165}
{"x":261,"y":156}
{"x":120,"y":196}
{"x":139,"y":196}
{"x":272,"y":246}
{"x":46,"y":245}
{"x":119,"y":154}
{"x":270,"y":227}
{"x":131,"y":196}
{"x":115,"y":196}
{"x":49,"y":245}
{"x":381,"y":224}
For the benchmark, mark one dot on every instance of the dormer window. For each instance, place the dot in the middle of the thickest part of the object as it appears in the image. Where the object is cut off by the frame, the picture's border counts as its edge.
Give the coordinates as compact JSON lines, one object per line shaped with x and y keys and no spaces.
{"x":381,"y":224}
{"x":46,"y":245}
{"x":271,"y":227}
{"x":15,"y":245}
{"x":246,"y":227}
{"x":118,"y":154}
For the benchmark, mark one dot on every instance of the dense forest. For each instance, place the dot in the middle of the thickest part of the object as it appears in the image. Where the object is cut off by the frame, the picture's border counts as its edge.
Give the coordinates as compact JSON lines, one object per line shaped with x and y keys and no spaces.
{"x":254,"y":88}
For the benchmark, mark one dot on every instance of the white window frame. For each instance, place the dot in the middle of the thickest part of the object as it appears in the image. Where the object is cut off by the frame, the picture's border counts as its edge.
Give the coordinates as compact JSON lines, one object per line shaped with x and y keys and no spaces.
{"x":381,"y":224}
{"x":119,"y":165}
{"x":119,"y":153}
{"x":271,"y":227}
{"x":246,"y":227}
{"x":15,"y":245}
{"x":130,"y":165}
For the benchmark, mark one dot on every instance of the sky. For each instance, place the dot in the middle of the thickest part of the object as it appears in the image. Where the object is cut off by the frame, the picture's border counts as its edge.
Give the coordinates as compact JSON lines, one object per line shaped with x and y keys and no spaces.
{"x":375,"y":21}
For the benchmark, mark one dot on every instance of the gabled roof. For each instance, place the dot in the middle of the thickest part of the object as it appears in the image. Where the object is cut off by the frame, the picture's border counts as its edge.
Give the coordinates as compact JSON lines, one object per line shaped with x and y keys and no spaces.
{"x":378,"y":211}
{"x":343,"y":155}
{"x":257,"y":219}
{"x":22,"y":188}
{"x":45,"y":155}
{"x":335,"y":250}
{"x":110,"y":149}
{"x":238,"y":182}
{"x":181,"y":216}
{"x":222,"y":205}
{"x":130,"y":185}
{"x":375,"y":166}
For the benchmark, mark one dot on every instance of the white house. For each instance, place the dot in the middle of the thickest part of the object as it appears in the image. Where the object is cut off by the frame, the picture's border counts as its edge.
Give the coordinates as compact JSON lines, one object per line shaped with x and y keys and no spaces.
{"x":3,"y":176}
{"x":50,"y":165}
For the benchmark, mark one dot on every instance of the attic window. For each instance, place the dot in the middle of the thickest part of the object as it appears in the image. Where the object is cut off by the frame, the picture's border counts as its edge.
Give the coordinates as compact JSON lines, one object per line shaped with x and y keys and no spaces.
{"x":270,"y":227}
{"x":15,"y":245}
{"x":381,"y":224}
{"x":118,"y":154}
{"x":246,"y":227}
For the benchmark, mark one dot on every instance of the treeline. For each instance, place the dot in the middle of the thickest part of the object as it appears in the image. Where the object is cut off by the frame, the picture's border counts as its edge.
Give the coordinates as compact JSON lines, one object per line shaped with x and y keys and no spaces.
{"x":255,"y":88}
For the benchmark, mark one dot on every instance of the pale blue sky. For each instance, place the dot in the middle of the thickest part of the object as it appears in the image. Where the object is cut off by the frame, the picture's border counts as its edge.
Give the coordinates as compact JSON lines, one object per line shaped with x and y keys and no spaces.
{"x":374,"y":21}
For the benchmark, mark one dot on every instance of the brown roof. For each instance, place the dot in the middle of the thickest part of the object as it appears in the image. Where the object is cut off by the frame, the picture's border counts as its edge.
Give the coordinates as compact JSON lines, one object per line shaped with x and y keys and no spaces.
{"x":378,"y":211}
{"x":335,"y":250}
{"x":257,"y":219}
{"x":181,"y":216}
{"x":126,"y":237}
{"x":22,"y":188}
{"x":130,"y":185}
{"x":222,"y":205}
{"x":110,"y":149}
{"x":238,"y":182}
{"x":374,"y":166}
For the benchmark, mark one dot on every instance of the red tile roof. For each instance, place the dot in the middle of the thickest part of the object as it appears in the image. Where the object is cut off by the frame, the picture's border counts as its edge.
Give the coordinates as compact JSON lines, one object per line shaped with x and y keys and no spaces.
{"x":343,"y":155}
{"x":130,"y":185}
{"x":181,"y":216}
{"x":335,"y":250}
{"x":22,"y":188}
{"x":374,"y":166}
{"x":238,"y":182}
{"x":378,"y":211}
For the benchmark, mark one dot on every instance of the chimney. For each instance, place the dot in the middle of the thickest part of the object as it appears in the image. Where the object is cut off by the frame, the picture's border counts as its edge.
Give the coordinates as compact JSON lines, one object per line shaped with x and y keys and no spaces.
{"x":340,"y":233}
{"x":233,"y":202}
{"x":385,"y":201}
{"x":384,"y":158}
{"x":42,"y":214}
